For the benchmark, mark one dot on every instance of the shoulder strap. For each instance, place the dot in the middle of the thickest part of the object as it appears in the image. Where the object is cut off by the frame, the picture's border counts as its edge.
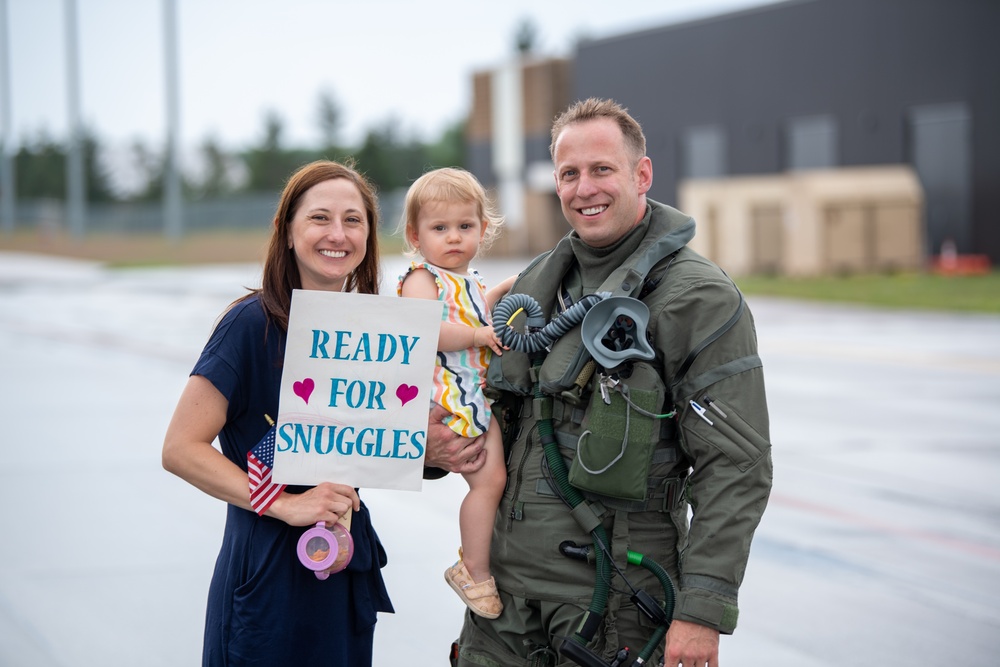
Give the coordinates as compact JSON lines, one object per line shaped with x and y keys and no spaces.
{"x":652,"y":282}
{"x":693,"y":354}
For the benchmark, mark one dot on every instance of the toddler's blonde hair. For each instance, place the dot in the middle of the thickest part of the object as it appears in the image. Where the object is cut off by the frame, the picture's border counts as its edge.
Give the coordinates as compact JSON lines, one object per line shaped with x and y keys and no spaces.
{"x":449,"y":184}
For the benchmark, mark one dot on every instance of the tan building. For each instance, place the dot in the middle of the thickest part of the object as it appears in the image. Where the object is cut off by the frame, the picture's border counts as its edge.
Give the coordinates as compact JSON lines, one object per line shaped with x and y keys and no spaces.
{"x":759,"y":95}
{"x":507,"y":139}
{"x":799,"y":223}
{"x":803,"y":223}
{"x":810,"y":223}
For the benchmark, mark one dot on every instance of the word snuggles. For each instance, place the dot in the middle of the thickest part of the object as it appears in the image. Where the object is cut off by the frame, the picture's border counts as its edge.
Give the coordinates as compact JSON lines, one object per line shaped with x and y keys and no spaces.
{"x":351,"y":441}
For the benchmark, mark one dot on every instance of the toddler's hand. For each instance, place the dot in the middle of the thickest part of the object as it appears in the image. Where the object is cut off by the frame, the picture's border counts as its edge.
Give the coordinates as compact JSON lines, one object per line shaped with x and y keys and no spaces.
{"x":487,"y":337}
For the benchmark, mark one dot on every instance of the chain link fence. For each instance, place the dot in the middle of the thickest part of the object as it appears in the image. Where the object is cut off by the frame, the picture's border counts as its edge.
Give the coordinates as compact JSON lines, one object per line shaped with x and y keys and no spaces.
{"x":249,"y":212}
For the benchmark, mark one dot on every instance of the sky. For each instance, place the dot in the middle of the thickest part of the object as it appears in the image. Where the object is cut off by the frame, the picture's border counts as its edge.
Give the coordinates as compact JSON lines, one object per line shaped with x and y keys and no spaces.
{"x":382,"y":61}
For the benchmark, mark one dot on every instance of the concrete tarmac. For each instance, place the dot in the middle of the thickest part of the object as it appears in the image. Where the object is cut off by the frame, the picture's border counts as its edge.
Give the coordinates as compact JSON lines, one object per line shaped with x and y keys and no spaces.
{"x":881,"y":543}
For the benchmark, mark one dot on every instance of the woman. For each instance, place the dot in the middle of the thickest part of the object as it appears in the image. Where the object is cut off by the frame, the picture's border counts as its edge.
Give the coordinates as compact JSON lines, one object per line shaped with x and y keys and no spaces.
{"x":264,"y":607}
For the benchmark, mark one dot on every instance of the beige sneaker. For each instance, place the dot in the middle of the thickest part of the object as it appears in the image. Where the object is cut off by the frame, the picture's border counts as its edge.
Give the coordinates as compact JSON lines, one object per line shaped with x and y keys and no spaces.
{"x":481,"y":598}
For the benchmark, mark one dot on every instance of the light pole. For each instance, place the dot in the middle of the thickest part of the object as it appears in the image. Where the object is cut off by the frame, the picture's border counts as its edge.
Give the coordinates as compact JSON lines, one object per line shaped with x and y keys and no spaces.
{"x":75,"y":174}
{"x":172,"y":196}
{"x":8,"y":192}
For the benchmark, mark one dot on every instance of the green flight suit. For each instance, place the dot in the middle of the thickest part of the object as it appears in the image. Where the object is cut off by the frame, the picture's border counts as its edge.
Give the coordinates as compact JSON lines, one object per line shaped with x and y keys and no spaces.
{"x":721,"y":470}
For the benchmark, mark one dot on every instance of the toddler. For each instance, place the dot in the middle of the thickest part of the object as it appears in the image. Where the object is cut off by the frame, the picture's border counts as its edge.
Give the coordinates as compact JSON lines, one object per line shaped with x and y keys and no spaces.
{"x":447,"y":219}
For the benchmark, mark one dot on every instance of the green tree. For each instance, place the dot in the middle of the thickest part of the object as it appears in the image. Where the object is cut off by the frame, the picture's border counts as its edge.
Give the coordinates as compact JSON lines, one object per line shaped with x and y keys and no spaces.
{"x":526,"y":37}
{"x":329,"y":116}
{"x":149,"y":168}
{"x":98,"y":178}
{"x":377,"y":156}
{"x":218,"y":178}
{"x":41,"y":168}
{"x":390,"y":160}
{"x":269,"y":165}
{"x":449,"y":149}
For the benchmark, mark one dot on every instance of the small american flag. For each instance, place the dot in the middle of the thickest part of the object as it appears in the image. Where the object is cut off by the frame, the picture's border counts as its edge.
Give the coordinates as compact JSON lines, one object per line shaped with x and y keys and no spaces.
{"x":260,"y":460}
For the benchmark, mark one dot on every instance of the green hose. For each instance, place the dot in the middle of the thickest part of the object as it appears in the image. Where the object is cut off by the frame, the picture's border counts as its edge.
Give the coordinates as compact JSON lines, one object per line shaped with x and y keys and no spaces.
{"x":534,"y":344}
{"x":557,"y":465}
{"x":602,"y":584}
{"x":635,"y":558}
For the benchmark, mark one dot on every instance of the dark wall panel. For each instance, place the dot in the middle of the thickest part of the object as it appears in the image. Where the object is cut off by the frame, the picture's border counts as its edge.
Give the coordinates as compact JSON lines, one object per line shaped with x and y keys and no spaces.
{"x":865,"y":63}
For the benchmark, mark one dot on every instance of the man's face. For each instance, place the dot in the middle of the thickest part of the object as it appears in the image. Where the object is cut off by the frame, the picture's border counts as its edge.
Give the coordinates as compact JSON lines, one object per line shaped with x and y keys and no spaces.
{"x":603,"y":195}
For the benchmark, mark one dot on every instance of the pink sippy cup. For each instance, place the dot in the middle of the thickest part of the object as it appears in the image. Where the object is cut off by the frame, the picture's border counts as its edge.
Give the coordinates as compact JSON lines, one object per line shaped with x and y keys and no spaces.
{"x":324,"y":550}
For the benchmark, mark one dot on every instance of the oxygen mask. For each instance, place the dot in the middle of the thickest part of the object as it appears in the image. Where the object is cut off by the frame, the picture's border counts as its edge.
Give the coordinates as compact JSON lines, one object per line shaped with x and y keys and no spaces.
{"x":614,"y":331}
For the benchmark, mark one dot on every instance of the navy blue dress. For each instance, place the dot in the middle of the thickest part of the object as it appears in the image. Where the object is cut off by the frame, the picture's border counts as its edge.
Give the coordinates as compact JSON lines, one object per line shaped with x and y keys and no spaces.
{"x":264,"y":607}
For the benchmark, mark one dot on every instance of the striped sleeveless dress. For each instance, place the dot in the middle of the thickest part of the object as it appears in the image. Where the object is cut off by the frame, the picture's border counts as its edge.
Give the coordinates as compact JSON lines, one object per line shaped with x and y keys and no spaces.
{"x":459,"y":376}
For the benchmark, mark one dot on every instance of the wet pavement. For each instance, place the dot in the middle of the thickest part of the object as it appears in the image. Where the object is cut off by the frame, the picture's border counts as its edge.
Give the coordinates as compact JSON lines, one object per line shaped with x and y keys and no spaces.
{"x":881,"y":544}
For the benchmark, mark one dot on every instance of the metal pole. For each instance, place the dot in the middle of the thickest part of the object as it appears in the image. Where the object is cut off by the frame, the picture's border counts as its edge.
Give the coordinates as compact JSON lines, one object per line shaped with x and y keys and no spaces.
{"x":172,"y":196}
{"x":8,"y":191}
{"x":75,"y":175}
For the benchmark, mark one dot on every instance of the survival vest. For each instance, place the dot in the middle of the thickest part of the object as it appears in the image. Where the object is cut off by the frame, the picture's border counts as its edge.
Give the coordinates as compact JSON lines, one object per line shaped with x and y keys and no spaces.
{"x":621,"y":455}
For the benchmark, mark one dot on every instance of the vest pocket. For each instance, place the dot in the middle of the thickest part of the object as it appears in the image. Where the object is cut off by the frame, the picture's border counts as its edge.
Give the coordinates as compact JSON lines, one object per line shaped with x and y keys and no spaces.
{"x":621,"y":429}
{"x":741,"y":443}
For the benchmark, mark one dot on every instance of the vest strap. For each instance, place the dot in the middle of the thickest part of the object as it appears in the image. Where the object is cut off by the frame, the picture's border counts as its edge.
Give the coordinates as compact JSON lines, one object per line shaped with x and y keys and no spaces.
{"x":707,"y":379}
{"x":566,"y":412}
{"x":585,"y":517}
{"x":665,"y":495}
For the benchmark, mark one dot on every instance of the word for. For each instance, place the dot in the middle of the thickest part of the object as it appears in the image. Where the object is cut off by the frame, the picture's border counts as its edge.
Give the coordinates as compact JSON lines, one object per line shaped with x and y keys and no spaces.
{"x":357,"y":394}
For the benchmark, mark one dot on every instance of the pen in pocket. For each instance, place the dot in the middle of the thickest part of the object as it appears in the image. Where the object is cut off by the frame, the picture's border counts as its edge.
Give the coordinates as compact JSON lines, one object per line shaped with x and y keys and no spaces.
{"x":701,"y":412}
{"x":710,"y":402}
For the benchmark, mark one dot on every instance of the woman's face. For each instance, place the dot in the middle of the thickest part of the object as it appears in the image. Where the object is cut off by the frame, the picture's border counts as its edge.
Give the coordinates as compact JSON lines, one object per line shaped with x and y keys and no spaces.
{"x":329,"y":234}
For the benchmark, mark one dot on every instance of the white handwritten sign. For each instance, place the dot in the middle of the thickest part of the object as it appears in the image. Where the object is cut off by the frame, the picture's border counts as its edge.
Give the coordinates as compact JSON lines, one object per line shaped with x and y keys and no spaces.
{"x":355,"y":390}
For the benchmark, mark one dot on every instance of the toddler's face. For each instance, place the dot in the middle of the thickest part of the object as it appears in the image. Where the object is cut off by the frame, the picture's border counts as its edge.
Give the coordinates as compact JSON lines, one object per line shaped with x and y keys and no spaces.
{"x":448,"y":234}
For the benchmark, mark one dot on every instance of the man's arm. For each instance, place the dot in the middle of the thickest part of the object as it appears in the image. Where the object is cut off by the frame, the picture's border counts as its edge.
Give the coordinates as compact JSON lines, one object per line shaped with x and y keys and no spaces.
{"x":723,"y":423}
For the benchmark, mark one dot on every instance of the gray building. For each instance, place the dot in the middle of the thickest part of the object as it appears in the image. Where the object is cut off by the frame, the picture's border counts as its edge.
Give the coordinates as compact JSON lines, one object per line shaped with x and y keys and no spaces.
{"x":822,"y":84}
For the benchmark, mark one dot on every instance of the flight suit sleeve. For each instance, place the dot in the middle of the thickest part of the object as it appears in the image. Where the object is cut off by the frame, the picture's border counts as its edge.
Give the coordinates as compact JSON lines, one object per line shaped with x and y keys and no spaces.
{"x":724,"y":432}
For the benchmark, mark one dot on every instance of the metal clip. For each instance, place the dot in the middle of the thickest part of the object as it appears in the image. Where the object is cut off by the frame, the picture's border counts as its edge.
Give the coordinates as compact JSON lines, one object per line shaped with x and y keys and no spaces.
{"x":607,"y":383}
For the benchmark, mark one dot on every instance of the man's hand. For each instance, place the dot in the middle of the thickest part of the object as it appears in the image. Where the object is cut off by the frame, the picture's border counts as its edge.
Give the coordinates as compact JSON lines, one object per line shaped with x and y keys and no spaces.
{"x":450,"y":451}
{"x":691,"y":645}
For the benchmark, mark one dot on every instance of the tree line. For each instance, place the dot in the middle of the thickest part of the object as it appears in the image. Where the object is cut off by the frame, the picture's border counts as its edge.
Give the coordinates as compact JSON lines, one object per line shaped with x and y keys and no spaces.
{"x":386,"y":155}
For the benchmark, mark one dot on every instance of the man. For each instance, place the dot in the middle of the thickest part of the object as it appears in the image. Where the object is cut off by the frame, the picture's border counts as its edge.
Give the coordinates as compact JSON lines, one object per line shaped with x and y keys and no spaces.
{"x":709,"y":446}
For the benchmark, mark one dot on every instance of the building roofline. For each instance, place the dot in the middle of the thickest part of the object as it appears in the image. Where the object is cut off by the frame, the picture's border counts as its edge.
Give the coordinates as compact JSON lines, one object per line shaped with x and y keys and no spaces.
{"x":769,"y":6}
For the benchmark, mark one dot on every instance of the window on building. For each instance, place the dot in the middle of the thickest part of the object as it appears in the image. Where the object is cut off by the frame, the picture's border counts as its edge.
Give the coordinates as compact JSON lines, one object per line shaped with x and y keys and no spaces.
{"x":704,"y":152}
{"x":941,"y":151}
{"x":811,"y":143}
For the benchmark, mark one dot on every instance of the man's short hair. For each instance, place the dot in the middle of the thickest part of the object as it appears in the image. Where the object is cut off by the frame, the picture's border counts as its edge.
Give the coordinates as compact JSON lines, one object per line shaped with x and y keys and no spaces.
{"x":594,"y":108}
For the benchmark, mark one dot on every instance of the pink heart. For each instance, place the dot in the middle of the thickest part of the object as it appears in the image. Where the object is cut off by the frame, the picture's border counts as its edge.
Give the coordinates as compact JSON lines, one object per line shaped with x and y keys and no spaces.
{"x":304,"y":389}
{"x":406,"y":393}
